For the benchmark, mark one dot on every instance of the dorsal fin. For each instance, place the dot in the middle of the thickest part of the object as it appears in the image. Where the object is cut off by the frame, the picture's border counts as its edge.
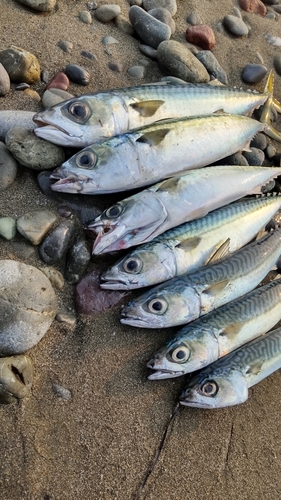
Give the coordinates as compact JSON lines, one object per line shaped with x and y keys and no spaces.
{"x":222,"y":251}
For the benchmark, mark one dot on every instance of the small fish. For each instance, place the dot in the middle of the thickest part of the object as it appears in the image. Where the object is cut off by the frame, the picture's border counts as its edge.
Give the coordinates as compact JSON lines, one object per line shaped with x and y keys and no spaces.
{"x":150,"y":154}
{"x":227,"y":381}
{"x":221,"y":331}
{"x":191,"y":245}
{"x":186,"y":297}
{"x":83,"y":120}
{"x":145,"y":215}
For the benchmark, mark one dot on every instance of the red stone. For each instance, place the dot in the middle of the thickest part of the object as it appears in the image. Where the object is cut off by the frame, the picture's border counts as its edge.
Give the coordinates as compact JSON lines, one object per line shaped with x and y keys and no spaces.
{"x":89,"y":298}
{"x":254,"y":6}
{"x":59,"y":81}
{"x":201,"y":35}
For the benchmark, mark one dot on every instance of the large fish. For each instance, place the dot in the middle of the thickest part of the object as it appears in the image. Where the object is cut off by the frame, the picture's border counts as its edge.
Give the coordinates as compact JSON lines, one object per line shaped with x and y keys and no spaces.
{"x":227,"y":381}
{"x":150,"y":154}
{"x":145,"y":215}
{"x":221,"y":331}
{"x":83,"y":120}
{"x":192,"y":244}
{"x":186,"y":297}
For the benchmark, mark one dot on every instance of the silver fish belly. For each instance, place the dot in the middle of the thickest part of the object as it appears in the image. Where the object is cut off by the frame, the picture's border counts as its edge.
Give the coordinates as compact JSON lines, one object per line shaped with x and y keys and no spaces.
{"x":186,"y":297}
{"x":143,"y":216}
{"x":191,"y":245}
{"x":227,"y":381}
{"x":216,"y":334}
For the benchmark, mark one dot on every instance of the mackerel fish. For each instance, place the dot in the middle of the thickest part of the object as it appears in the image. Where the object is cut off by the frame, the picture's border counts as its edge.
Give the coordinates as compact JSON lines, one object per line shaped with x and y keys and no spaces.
{"x":227,"y":381}
{"x":155,"y":152}
{"x":191,"y":245}
{"x":83,"y":120}
{"x":221,"y":331}
{"x":145,"y":215}
{"x":186,"y":297}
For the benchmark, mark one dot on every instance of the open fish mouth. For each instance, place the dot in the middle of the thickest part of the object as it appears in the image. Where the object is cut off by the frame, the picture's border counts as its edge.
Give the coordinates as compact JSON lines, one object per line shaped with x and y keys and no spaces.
{"x":134,"y":321}
{"x":43,"y":123}
{"x":160,"y":374}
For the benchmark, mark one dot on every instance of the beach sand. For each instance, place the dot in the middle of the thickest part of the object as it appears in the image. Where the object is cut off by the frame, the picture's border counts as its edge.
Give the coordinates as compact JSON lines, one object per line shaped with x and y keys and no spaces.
{"x":100,"y":444}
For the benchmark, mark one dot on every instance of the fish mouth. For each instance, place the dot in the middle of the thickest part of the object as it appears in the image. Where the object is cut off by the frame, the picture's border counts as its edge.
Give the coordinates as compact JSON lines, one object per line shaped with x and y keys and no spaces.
{"x":134,"y":321}
{"x":161,"y":374}
{"x":117,"y":284}
{"x":51,"y":126}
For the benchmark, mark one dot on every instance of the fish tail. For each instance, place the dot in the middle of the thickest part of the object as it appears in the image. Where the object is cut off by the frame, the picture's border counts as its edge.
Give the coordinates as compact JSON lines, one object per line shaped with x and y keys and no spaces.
{"x":270,"y":104}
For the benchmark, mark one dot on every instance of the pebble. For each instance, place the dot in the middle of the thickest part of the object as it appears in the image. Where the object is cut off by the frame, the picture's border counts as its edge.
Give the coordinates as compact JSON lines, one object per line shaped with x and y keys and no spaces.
{"x":235,"y":159}
{"x":8,"y":228}
{"x":207,"y":58}
{"x":44,"y":77}
{"x":77,"y":260}
{"x":114,"y":66}
{"x":135,"y":2}
{"x":164,"y":16}
{"x":170,"y":5}
{"x":277,"y":63}
{"x":22,"y":86}
{"x":55,"y":245}
{"x":123,"y":25}
{"x":35,"y":225}
{"x":136,"y":71}
{"x":33,"y":94}
{"x":66,"y":316}
{"x":88,"y":55}
{"x":259,"y":141}
{"x":180,"y":62}
{"x":23,"y":251}
{"x":8,"y":168}
{"x":55,"y":277}
{"x":77,"y":74}
{"x":254,"y":6}
{"x":52,"y":97}
{"x":16,"y":377}
{"x":28,"y":303}
{"x":65,"y":45}
{"x":235,"y":25}
{"x":106,"y":13}
{"x":15,"y":118}
{"x":90,"y":299}
{"x":277,"y":8}
{"x":148,"y":51}
{"x":109,"y":40}
{"x":59,"y":81}
{"x":254,"y":157}
{"x":271,"y":15}
{"x":253,"y":73}
{"x":150,"y":30}
{"x":41,"y":5}
{"x":32,"y":151}
{"x":21,"y":65}
{"x":201,"y":35}
{"x":62,"y":392}
{"x":270,"y":151}
{"x":85,"y":17}
{"x":194,"y":19}
{"x":273,"y":40}
{"x":4,"y":81}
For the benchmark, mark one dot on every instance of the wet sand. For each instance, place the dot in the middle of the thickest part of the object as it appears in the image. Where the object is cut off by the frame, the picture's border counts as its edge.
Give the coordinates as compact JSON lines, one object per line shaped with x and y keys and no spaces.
{"x":102,"y":443}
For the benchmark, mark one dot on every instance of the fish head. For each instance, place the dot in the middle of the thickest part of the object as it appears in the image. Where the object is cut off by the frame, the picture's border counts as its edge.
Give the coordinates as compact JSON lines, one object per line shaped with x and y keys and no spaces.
{"x":215,"y":388}
{"x":162,"y":307}
{"x":191,"y":350}
{"x":128,"y":222}
{"x":76,"y":122}
{"x":144,"y":266}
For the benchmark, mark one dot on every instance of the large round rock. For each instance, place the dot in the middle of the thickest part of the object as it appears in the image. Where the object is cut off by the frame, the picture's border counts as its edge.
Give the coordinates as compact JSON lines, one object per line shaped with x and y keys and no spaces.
{"x":28,"y":305}
{"x":180,"y":62}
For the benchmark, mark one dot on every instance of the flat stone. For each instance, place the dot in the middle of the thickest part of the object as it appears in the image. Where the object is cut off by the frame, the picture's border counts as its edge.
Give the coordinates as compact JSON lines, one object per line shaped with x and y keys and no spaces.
{"x":51,"y":97}
{"x":40,"y":5}
{"x":201,"y":35}
{"x":115,"y":66}
{"x":88,"y":55}
{"x":85,"y":17}
{"x":8,"y":168}
{"x":254,"y":6}
{"x":62,"y":392}
{"x":77,"y":74}
{"x":64,"y":315}
{"x":181,"y":63}
{"x":8,"y":228}
{"x":254,"y":73}
{"x":136,"y":71}
{"x":194,"y":19}
{"x":170,"y":5}
{"x":149,"y":29}
{"x":77,"y":260}
{"x":65,"y":46}
{"x":4,"y":81}
{"x":35,"y":225}
{"x":235,"y":25}
{"x":28,"y":305}
{"x":109,"y":40}
{"x":207,"y":58}
{"x":59,"y":81}
{"x":106,"y":13}
{"x":21,"y":65}
{"x":33,"y":94}
{"x":148,"y":51}
{"x":55,"y":245}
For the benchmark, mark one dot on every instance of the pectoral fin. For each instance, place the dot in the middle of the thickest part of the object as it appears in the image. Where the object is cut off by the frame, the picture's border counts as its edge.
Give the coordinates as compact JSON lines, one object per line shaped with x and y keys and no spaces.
{"x":155,"y":137}
{"x":220,"y":252}
{"x":232,"y":331}
{"x":217,"y":288}
{"x":189,"y":244}
{"x":255,"y":368}
{"x":147,"y":108}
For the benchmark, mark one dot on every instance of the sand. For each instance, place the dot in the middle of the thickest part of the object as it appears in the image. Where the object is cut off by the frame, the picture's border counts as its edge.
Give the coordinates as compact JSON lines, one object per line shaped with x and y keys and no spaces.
{"x":102,"y":442}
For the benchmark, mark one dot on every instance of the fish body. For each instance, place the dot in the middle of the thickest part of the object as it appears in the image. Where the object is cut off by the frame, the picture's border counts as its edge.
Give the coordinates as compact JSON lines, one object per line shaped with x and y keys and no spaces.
{"x":186,"y":297}
{"x":227,"y":381}
{"x":150,"y":154}
{"x":221,"y":331}
{"x":83,"y":120}
{"x":191,"y":245}
{"x":143,"y":216}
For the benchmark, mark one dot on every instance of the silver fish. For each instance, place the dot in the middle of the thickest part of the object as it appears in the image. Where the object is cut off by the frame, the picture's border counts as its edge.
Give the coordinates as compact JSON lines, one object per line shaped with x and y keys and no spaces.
{"x":191,"y":245}
{"x":83,"y":120}
{"x":186,"y":297}
{"x":221,"y":331}
{"x":227,"y":381}
{"x":145,"y":215}
{"x":150,"y":154}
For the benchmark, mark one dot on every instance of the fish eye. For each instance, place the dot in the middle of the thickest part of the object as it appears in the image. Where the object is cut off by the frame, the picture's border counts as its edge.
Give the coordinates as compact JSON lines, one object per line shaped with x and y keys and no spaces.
{"x":80,"y":111}
{"x":157,"y":306}
{"x":209,"y":388}
{"x":132,"y":265}
{"x":180,"y":354}
{"x":86,"y":159}
{"x":114,"y":211}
